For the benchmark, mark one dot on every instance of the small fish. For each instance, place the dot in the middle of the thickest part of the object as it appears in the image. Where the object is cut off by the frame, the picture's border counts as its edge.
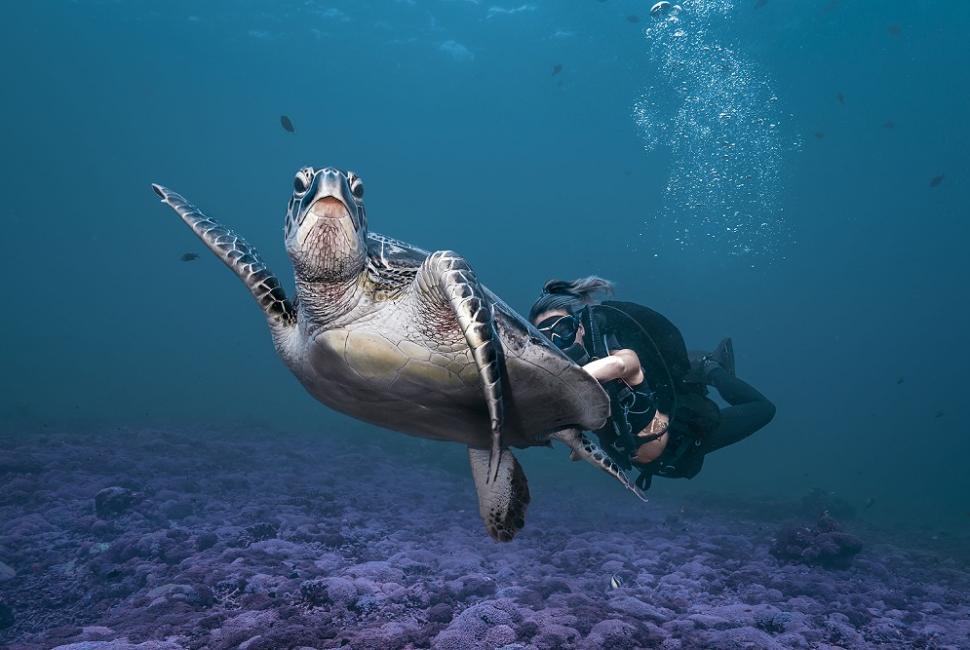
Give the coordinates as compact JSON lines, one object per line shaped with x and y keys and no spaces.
{"x":633,"y":18}
{"x":900,"y":380}
{"x":287,"y":124}
{"x":615,"y":581}
{"x":939,"y":414}
{"x":936,"y":180}
{"x":888,"y":124}
{"x":556,"y":69}
{"x":895,"y":30}
{"x":760,"y":3}
{"x":189,"y":257}
{"x":869,"y":503}
{"x":819,"y":135}
{"x":839,"y":96}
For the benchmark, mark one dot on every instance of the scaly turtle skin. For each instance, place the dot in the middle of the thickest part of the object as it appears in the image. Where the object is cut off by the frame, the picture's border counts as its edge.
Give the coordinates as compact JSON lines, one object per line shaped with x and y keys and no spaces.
{"x":411,"y":341}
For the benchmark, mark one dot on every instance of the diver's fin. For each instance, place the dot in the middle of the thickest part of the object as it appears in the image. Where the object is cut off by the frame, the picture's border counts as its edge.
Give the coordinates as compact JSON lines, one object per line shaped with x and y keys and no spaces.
{"x":724,"y":355}
{"x":502,"y":498}
{"x":701,"y":363}
{"x":582,"y":447}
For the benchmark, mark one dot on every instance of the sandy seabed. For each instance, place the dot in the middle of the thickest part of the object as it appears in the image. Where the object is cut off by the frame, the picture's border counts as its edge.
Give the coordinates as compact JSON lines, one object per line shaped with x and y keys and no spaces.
{"x":157,"y":540}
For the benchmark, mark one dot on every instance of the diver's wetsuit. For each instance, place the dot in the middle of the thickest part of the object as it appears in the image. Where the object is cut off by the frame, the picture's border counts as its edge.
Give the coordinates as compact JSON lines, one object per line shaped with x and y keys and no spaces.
{"x":660,"y":348}
{"x":697,"y":426}
{"x":684,"y":454}
{"x":749,"y":411}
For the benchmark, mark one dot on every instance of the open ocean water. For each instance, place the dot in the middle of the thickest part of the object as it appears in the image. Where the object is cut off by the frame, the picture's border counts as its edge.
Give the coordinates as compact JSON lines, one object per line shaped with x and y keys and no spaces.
{"x":789,"y":173}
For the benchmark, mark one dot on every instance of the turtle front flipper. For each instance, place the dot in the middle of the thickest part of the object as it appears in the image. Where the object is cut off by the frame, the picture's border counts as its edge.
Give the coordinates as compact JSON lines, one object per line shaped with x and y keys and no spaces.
{"x":583,"y":448}
{"x":239,"y":256}
{"x":502,"y":499}
{"x":448,"y":280}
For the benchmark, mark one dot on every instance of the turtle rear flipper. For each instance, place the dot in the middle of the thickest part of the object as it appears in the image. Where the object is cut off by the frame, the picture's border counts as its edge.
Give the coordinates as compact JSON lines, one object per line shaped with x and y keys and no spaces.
{"x":502,"y":499}
{"x":238,"y":255}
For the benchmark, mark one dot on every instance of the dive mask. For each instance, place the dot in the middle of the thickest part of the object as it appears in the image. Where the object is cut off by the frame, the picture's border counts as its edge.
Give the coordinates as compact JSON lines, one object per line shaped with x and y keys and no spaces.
{"x":562,"y":331}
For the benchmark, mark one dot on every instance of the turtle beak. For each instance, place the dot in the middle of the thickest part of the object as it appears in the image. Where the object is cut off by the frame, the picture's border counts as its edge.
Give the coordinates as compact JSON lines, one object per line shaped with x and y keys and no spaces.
{"x":329,"y":197}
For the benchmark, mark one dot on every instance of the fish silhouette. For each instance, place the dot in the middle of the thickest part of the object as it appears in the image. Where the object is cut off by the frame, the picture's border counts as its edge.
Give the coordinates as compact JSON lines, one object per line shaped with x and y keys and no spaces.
{"x":287,"y":124}
{"x":839,"y":96}
{"x":936,"y":180}
{"x":556,"y":69}
{"x":189,"y":257}
{"x":633,"y":19}
{"x":760,"y":3}
{"x":888,"y":124}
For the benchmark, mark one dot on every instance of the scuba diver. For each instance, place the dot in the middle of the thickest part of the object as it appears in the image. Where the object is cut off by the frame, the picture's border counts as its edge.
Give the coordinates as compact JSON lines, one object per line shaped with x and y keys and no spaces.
{"x":662,"y":422}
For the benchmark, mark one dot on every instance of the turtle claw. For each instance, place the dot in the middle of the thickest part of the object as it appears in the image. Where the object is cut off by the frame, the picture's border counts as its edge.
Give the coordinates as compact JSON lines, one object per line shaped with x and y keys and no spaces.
{"x":634,"y":487}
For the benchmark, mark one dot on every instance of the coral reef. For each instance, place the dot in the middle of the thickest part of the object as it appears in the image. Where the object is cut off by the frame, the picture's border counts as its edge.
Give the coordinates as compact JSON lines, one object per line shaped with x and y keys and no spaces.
{"x":160,"y":541}
{"x":824,"y":544}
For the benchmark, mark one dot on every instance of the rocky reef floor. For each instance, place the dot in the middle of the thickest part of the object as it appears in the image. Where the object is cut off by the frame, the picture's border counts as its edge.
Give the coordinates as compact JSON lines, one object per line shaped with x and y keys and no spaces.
{"x":161,"y":541}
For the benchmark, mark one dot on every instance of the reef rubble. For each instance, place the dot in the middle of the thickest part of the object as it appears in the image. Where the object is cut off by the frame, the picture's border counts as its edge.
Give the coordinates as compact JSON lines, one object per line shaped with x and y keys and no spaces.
{"x":155,"y":540}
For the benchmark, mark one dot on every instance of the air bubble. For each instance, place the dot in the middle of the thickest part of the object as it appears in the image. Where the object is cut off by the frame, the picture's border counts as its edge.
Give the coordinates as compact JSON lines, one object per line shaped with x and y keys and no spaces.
{"x":715,"y":111}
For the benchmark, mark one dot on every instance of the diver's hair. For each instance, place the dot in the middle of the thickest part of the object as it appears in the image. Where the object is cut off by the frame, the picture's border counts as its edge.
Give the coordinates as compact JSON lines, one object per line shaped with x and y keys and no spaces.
{"x":570,"y":296}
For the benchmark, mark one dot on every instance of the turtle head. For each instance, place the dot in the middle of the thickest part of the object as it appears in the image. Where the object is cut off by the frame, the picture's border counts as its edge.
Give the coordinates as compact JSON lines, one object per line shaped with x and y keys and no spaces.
{"x":326,"y":226}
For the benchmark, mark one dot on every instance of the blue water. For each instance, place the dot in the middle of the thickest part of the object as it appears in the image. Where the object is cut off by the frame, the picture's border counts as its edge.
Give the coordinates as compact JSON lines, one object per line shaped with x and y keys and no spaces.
{"x":801,"y":224}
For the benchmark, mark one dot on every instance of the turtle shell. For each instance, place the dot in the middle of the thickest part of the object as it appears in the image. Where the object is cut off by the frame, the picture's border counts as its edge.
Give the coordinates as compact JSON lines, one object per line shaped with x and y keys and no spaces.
{"x":544,"y":392}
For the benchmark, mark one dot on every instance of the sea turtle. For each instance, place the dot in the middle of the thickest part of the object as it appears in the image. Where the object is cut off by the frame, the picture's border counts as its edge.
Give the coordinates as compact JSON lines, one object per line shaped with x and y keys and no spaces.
{"x":411,"y":341}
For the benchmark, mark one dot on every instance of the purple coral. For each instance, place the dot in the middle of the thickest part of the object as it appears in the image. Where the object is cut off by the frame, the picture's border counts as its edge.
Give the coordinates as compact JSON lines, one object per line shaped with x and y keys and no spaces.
{"x":824,"y":544}
{"x":284,"y":542}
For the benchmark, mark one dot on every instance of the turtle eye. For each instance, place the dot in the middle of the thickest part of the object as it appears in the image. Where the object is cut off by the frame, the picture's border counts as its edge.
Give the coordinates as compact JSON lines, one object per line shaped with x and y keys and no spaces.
{"x":301,"y":182}
{"x":356,"y":186}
